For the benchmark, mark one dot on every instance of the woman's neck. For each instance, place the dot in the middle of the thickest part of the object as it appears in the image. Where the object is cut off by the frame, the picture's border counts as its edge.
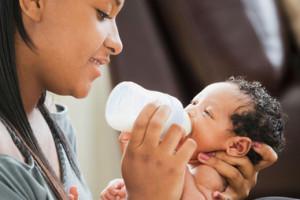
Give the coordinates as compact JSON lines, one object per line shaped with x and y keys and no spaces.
{"x":30,"y":87}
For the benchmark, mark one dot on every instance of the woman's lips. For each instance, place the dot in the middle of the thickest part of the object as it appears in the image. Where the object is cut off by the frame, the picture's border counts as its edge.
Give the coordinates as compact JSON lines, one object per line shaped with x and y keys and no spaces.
{"x":96,"y":61}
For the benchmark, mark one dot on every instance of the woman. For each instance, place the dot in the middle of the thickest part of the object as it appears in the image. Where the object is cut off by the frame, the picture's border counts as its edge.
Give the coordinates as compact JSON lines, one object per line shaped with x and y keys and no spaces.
{"x":58,"y":46}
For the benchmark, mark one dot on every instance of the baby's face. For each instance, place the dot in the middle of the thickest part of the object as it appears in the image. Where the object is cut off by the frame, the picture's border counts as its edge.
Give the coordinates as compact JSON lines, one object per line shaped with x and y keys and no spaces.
{"x":210,"y":113}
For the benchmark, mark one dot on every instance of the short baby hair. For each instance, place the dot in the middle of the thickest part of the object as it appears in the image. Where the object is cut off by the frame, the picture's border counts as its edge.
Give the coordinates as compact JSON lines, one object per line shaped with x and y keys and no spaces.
{"x":263,"y":122}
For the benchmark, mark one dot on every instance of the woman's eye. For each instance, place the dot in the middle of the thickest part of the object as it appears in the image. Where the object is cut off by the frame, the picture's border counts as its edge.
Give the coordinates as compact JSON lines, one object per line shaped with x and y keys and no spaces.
{"x":102,"y":15}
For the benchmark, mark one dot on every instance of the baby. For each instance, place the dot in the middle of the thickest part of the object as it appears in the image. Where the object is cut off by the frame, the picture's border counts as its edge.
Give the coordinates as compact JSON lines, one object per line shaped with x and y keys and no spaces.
{"x":226,"y":116}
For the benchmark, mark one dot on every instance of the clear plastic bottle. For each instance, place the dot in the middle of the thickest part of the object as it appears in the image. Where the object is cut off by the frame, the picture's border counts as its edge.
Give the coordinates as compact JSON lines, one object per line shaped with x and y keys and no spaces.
{"x":127,"y":100}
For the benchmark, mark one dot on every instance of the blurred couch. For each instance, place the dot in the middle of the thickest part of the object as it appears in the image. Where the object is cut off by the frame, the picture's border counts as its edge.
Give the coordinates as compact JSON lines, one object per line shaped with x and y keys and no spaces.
{"x":181,"y":46}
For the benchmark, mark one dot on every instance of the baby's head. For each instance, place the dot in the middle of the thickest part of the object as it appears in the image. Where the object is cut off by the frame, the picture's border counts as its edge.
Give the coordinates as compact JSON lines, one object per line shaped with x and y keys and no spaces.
{"x":230,"y":115}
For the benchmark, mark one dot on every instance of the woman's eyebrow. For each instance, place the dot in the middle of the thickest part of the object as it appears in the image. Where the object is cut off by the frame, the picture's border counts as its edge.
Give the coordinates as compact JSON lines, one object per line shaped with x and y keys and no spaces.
{"x":117,"y":2}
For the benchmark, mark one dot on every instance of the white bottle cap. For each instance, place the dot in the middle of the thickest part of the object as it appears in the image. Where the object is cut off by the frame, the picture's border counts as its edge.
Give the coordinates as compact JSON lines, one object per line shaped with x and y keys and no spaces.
{"x":186,"y":124}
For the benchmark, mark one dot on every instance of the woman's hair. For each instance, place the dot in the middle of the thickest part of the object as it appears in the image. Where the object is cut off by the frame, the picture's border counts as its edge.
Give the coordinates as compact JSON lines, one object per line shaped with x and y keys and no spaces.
{"x":11,"y":106}
{"x":263,"y":122}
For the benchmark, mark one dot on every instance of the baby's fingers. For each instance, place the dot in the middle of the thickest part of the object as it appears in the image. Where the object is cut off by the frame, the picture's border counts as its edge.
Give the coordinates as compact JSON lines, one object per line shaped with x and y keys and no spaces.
{"x":112,"y":190}
{"x":71,"y":197}
{"x":107,"y":196}
{"x":73,"y":193}
{"x":122,"y":193}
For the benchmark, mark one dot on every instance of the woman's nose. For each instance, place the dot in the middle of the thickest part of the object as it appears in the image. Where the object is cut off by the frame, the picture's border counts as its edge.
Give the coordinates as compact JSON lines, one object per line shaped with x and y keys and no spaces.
{"x":113,"y":42}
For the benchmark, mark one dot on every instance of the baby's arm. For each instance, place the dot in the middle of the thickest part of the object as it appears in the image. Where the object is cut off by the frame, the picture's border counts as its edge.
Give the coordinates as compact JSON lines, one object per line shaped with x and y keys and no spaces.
{"x":190,"y":190}
{"x":200,"y":183}
{"x":115,"y":190}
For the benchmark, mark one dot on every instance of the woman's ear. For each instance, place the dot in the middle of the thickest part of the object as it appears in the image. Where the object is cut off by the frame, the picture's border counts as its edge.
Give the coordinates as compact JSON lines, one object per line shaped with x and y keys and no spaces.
{"x":32,"y":9}
{"x":239,"y":146}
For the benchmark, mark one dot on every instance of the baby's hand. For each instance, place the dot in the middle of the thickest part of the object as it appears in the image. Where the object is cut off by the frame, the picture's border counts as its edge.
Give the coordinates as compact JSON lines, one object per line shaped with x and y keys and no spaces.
{"x":115,"y":190}
{"x":73,"y":193}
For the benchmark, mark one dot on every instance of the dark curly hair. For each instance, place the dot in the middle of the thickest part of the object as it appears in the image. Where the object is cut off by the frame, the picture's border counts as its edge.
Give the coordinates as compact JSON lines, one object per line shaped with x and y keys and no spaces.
{"x":263,"y":122}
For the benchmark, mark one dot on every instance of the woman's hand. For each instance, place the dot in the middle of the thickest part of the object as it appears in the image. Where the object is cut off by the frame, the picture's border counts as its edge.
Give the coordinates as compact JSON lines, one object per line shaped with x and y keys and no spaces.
{"x":152,"y":169}
{"x":243,"y":177}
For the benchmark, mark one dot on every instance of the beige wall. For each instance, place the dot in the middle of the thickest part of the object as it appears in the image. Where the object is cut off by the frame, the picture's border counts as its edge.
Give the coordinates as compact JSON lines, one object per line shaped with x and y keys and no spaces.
{"x":97,"y":144}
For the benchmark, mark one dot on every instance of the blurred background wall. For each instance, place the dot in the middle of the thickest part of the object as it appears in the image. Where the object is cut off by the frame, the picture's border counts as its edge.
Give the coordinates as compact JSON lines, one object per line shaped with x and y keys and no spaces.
{"x":179,"y":47}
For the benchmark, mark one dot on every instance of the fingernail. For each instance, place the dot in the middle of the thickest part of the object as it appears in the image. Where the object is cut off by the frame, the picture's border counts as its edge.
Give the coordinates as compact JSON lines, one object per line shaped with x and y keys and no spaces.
{"x":203,"y":156}
{"x":256,"y":144}
{"x":210,"y":154}
{"x":218,"y":196}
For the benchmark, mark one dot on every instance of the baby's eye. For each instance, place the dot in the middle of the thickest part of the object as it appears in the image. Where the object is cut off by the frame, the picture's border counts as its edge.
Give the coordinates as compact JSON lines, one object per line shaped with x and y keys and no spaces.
{"x":207,"y":112}
{"x":193,"y":103}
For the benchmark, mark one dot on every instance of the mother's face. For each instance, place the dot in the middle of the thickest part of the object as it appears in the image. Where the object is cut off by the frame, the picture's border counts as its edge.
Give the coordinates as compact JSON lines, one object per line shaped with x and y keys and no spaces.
{"x":73,"y":37}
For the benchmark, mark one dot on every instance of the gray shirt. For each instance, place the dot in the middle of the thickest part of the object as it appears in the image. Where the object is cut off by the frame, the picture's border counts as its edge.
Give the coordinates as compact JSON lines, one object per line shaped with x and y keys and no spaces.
{"x":25,"y":181}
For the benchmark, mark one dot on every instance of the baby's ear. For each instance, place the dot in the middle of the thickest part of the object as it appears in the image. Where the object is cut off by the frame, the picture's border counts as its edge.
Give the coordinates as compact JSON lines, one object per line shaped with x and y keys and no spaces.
{"x":239,"y":146}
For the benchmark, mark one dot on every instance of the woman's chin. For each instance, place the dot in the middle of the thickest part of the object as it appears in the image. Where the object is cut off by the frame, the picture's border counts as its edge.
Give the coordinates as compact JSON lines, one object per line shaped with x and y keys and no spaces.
{"x":82,"y":93}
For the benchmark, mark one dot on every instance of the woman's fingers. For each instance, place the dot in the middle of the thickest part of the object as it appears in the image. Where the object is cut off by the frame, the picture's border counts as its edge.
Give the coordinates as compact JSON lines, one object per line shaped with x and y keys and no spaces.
{"x":239,"y":172}
{"x":232,"y":174}
{"x":268,"y":155}
{"x":172,"y":138}
{"x":186,"y":151}
{"x":238,"y":185}
{"x":158,"y":174}
{"x":139,"y":127}
{"x":243,"y":164}
{"x":156,"y":125}
{"x":148,"y":126}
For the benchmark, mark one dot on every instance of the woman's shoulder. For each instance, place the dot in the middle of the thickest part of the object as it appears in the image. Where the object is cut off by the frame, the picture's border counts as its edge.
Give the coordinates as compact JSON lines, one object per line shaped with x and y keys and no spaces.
{"x":19,"y":180}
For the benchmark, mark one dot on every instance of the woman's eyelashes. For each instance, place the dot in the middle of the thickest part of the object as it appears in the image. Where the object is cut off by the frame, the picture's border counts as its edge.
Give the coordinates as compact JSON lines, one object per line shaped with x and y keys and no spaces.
{"x":102,"y":15}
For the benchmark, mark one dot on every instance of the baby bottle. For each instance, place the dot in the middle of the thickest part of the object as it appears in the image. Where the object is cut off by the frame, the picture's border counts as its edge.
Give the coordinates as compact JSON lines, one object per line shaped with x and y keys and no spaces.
{"x":127,"y":100}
